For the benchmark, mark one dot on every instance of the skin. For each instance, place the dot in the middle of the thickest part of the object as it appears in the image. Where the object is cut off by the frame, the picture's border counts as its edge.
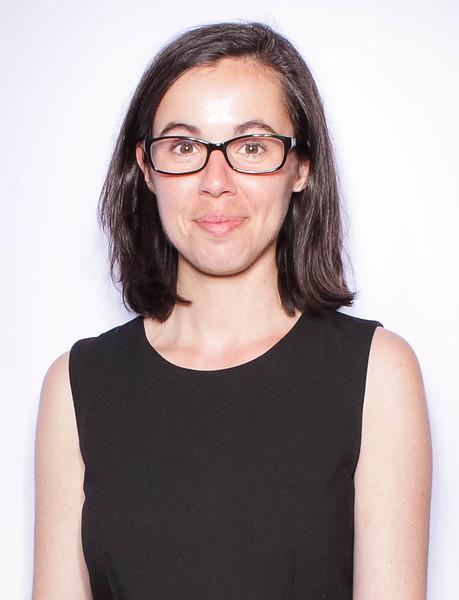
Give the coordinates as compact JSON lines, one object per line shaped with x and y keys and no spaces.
{"x":236,"y":315}
{"x":232,"y":280}
{"x":393,"y":478}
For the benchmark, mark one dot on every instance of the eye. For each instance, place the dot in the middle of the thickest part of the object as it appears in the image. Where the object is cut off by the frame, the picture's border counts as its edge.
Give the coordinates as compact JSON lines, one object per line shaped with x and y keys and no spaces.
{"x":251,"y":148}
{"x":184,"y":147}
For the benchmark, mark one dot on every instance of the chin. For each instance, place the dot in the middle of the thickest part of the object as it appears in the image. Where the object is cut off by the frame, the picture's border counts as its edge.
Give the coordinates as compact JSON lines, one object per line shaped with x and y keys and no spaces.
{"x":220,"y":268}
{"x":230,"y":262}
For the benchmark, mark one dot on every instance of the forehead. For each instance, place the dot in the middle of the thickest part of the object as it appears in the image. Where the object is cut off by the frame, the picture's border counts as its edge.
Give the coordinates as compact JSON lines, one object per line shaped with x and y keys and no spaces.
{"x":224,"y":94}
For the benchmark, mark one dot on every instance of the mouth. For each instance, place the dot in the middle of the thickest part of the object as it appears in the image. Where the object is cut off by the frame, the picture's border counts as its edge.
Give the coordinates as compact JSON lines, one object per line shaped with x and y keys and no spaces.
{"x":219,"y":225}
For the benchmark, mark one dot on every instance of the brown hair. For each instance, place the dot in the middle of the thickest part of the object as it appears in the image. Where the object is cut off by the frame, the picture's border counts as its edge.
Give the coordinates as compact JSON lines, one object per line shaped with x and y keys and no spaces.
{"x":309,"y":245}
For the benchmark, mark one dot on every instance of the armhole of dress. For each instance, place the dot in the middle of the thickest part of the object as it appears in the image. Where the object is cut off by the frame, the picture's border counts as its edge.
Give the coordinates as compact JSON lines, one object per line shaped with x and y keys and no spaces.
{"x":76,"y":368}
{"x":375,"y":325}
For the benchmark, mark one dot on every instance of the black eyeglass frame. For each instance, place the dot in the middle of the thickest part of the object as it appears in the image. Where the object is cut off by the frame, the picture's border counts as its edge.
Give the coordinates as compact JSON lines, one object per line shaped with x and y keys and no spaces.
{"x":289,"y":144}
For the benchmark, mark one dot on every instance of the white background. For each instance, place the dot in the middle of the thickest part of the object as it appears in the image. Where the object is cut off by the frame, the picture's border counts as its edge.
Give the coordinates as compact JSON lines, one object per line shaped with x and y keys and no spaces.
{"x":388,"y":73}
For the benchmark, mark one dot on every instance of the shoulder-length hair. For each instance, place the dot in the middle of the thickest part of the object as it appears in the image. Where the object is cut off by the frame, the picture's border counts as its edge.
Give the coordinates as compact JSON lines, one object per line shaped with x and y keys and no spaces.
{"x":310,"y":242}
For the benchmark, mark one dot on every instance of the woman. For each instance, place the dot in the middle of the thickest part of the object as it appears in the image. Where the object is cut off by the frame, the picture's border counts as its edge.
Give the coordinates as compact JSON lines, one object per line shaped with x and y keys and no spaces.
{"x":240,"y":437}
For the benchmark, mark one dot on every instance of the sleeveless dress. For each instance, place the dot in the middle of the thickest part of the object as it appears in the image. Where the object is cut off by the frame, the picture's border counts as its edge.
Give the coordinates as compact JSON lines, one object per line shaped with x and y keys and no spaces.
{"x":232,"y":484}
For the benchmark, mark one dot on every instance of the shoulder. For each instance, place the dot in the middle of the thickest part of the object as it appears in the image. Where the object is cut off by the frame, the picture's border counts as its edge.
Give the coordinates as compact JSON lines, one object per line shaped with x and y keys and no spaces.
{"x":393,"y":366}
{"x":55,"y":418}
{"x":350,"y":322}
{"x":394,"y":393}
{"x":56,"y":437}
{"x":56,"y":383}
{"x":349,"y":334}
{"x":64,"y":375}
{"x":104,"y":338}
{"x":395,"y":404}
{"x":101,"y":347}
{"x":389,"y":353}
{"x":395,"y":422}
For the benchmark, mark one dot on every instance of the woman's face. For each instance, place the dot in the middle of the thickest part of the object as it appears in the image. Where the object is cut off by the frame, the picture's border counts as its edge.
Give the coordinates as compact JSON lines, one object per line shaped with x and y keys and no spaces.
{"x":216,"y":103}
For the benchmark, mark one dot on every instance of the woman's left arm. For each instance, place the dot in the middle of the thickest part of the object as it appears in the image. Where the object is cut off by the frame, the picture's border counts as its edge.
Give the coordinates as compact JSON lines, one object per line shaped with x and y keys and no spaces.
{"x":393,"y":477}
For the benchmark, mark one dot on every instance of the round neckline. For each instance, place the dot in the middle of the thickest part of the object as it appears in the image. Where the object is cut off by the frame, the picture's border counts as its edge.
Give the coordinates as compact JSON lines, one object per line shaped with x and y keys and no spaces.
{"x":248,"y":364}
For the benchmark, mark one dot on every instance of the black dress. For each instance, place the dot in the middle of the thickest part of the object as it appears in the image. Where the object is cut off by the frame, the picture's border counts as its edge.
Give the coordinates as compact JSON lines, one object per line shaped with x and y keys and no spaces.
{"x":232,"y":484}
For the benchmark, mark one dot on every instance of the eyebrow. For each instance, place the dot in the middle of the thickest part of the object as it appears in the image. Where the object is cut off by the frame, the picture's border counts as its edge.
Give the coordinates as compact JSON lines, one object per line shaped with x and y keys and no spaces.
{"x":238,"y":130}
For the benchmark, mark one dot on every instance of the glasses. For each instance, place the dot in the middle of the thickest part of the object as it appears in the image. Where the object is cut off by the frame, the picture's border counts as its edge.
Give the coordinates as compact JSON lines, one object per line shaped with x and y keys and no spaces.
{"x":257,"y":153}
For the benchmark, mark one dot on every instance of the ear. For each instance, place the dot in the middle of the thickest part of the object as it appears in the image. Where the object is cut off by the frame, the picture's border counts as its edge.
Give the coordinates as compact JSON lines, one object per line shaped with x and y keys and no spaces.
{"x":140,"y":157}
{"x":301,"y":178}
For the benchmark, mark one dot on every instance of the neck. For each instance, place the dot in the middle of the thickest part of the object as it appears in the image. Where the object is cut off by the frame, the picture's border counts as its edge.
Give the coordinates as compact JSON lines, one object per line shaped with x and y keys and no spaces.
{"x":228,"y":311}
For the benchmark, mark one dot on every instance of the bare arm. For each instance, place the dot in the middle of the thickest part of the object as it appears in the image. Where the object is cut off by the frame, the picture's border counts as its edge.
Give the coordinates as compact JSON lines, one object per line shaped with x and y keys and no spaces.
{"x":59,"y":567}
{"x":393,"y":477}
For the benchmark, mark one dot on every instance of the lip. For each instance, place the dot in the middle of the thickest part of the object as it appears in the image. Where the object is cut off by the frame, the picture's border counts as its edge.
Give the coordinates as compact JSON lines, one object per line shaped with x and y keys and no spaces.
{"x":219,"y":225}
{"x":218,"y":218}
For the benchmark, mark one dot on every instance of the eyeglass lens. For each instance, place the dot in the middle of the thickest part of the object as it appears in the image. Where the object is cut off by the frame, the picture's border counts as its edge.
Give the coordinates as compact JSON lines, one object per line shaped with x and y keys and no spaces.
{"x":179,"y":155}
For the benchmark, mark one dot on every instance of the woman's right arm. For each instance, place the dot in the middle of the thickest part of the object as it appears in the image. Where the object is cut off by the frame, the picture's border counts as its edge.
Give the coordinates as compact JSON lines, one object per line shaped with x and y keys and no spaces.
{"x":59,"y":567}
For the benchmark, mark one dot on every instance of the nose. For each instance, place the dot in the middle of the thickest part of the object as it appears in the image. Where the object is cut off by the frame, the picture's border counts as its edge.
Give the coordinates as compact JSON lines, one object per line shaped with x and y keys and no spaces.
{"x":217,"y":177}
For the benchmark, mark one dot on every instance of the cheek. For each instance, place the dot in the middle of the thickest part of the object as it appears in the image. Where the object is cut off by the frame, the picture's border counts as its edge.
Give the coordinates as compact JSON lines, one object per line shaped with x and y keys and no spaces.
{"x":174,"y":202}
{"x":271,"y":197}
